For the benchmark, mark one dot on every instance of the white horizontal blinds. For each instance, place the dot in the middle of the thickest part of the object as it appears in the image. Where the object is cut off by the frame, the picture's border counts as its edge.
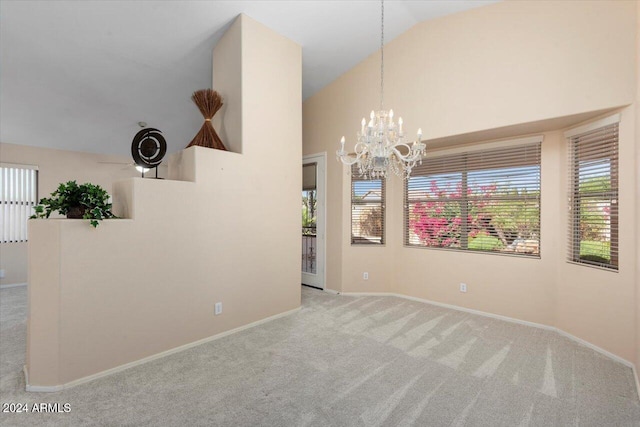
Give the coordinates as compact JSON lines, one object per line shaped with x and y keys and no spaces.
{"x":18,"y":196}
{"x":485,"y":200}
{"x":593,"y":197}
{"x":367,"y":209}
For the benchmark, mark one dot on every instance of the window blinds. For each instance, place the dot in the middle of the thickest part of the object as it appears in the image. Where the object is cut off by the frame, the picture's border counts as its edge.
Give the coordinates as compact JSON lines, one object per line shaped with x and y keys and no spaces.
{"x":593,"y":197}
{"x":367,"y":209}
{"x":309,"y":176}
{"x":18,"y":196}
{"x":481,"y":200}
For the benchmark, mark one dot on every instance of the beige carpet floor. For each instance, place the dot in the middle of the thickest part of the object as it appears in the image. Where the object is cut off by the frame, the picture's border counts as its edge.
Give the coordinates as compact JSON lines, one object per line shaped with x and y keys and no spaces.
{"x":344,"y":361}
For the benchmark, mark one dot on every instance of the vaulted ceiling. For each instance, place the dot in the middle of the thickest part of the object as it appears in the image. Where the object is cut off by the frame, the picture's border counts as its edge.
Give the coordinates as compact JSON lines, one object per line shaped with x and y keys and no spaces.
{"x":80,"y":75}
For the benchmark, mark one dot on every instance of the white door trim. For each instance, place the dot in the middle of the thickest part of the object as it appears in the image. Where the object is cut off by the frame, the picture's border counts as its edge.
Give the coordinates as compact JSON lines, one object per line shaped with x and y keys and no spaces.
{"x":321,"y":215}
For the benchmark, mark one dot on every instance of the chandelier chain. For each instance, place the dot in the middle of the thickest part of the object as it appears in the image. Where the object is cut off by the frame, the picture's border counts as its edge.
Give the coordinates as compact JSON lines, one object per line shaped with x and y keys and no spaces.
{"x":382,"y":57}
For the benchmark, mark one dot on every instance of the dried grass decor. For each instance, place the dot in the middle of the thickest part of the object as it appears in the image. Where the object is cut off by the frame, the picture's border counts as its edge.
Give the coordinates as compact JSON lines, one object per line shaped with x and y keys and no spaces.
{"x":208,"y":102}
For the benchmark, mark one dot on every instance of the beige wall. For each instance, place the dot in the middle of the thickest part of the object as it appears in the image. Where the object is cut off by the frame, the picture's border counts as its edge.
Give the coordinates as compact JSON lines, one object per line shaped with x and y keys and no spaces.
{"x":637,"y":181}
{"x":54,"y":167}
{"x":229,"y":85}
{"x":594,"y":304}
{"x":507,"y":69}
{"x":13,"y":260}
{"x":517,"y":287}
{"x":135,"y":287}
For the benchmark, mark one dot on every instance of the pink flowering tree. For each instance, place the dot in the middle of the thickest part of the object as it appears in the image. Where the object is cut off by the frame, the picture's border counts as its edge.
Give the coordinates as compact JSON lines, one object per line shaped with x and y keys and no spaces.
{"x":439,"y":222}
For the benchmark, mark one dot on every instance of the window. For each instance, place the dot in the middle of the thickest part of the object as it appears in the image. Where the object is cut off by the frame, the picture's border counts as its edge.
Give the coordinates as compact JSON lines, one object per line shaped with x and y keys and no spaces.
{"x":593,"y":196}
{"x":309,"y":199}
{"x":484,"y":200}
{"x":309,"y":217}
{"x":367,"y":209}
{"x":18,"y":196}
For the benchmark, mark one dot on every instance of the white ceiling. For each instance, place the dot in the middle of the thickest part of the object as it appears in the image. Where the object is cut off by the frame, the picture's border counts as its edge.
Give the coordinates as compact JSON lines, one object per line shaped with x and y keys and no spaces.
{"x":79,"y":75}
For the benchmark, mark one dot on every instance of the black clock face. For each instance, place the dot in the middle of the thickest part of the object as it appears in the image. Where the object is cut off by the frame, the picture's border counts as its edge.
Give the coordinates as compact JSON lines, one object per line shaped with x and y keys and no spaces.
{"x":148,"y":148}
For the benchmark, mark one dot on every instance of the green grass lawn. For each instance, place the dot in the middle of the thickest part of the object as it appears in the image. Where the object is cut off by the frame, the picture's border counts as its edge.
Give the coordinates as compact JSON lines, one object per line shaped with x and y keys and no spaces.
{"x":592,"y":249}
{"x":589,"y":249}
{"x":484,"y":243}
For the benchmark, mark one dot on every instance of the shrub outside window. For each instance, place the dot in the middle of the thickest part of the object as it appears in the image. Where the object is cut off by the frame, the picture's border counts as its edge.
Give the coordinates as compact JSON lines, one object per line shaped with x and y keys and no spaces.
{"x":485,"y":199}
{"x":367,"y":209}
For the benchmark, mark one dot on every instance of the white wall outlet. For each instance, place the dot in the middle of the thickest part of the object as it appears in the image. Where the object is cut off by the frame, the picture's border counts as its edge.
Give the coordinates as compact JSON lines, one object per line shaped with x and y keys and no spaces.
{"x":365,"y":275}
{"x":2,"y":274}
{"x":463,"y":287}
{"x":218,"y":308}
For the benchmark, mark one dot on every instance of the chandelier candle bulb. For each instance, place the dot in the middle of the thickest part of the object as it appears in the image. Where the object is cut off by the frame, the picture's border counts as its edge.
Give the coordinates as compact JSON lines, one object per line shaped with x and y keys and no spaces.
{"x":400,"y":126}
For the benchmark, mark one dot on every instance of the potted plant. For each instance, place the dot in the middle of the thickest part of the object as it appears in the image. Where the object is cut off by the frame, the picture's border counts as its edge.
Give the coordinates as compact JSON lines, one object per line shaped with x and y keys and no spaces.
{"x":84,"y":201}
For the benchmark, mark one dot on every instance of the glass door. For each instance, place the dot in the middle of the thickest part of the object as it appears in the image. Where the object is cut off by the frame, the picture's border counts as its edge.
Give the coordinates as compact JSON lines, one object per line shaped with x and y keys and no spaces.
{"x":313,"y":221}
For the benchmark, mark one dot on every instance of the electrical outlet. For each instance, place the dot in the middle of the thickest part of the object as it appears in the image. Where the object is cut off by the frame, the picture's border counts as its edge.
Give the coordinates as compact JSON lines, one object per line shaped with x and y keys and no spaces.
{"x":365,"y":275}
{"x":218,"y":308}
{"x":2,"y":274}
{"x":463,"y":287}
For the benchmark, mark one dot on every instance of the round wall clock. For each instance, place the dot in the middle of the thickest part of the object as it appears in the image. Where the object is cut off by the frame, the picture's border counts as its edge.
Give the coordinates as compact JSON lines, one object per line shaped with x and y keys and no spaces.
{"x":148,"y":148}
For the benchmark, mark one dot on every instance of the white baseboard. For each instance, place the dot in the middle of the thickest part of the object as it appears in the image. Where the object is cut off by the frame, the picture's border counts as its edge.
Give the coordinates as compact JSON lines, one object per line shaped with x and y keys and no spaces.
{"x":12,"y":285}
{"x":512,"y":320}
{"x":452,"y":307}
{"x":54,"y":388}
{"x":635,"y":374}
{"x":370,"y":294}
{"x":38,"y":388}
{"x":595,"y":347}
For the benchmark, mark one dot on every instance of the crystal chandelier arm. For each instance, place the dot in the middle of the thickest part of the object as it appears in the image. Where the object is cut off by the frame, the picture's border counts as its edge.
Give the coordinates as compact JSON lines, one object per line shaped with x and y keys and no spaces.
{"x":347,"y":159}
{"x":361,"y":150}
{"x":411,"y":155}
{"x":400,"y":157}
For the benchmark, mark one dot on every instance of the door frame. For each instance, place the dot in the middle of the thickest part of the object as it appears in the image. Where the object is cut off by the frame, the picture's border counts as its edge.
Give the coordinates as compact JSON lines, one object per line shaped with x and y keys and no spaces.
{"x":321,"y":214}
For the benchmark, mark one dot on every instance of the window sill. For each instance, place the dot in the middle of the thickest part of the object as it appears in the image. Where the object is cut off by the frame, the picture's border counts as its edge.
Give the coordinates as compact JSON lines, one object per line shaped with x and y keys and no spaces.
{"x":598,"y":267}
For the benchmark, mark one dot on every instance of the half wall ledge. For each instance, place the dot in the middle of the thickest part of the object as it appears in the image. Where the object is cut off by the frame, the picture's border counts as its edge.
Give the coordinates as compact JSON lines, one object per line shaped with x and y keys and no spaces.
{"x":131,"y":290}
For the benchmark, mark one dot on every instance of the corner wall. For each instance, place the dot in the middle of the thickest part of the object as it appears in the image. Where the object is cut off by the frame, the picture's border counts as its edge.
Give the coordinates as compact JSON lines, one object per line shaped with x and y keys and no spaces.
{"x":507,"y":69}
{"x":591,"y":303}
{"x":54,"y":167}
{"x":227,"y":59}
{"x":137,"y":287}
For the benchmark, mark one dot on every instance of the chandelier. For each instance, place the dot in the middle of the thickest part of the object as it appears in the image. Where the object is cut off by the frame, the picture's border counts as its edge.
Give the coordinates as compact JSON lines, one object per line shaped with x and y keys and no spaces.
{"x":381,"y":145}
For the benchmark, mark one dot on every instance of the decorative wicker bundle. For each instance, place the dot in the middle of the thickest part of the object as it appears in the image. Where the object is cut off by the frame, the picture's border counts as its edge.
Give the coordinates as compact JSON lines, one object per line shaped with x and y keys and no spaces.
{"x":208,"y":102}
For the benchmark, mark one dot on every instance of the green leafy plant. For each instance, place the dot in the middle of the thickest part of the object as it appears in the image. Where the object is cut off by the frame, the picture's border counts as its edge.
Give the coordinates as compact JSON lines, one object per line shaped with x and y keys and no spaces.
{"x":87,"y":201}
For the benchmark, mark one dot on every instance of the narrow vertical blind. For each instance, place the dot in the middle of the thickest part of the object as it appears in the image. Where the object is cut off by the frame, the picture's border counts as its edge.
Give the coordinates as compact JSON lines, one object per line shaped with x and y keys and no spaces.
{"x":482,"y":200}
{"x":367,"y":209}
{"x":18,"y":196}
{"x":309,"y":174}
{"x":593,"y":197}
